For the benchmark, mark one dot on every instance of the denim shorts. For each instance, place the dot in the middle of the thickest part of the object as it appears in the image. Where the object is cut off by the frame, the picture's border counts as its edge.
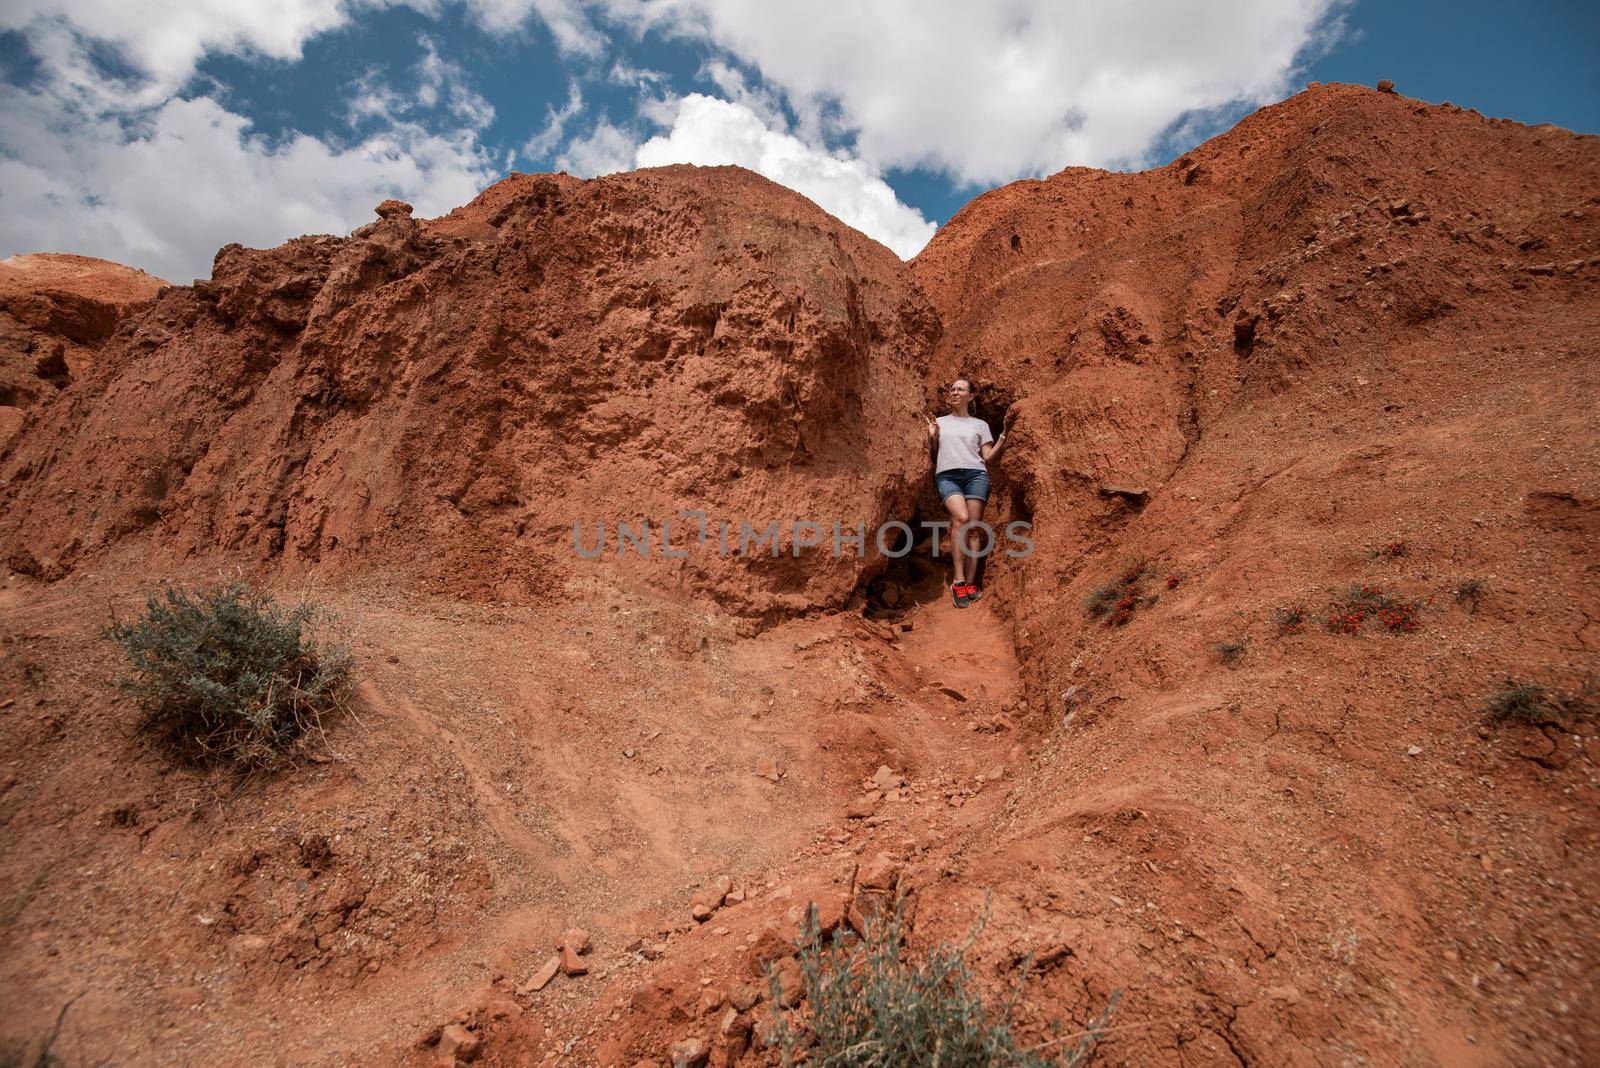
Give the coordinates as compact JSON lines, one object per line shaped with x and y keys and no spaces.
{"x":966,"y":481}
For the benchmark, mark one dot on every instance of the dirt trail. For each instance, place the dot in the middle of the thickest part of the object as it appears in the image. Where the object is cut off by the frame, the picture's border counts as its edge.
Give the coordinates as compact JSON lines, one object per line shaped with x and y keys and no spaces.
{"x":507,"y":774}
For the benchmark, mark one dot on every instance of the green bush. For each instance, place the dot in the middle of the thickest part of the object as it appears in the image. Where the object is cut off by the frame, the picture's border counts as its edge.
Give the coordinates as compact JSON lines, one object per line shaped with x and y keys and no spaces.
{"x":225,"y":676}
{"x":866,"y":1007}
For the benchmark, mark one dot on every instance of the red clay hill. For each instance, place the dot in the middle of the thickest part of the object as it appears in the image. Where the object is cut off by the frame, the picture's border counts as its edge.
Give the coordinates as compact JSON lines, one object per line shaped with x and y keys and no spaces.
{"x":1305,"y":424}
{"x":451,"y":396}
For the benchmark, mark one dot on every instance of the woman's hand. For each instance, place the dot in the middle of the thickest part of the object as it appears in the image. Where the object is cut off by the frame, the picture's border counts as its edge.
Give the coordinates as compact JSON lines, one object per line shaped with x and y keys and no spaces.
{"x":1005,"y":429}
{"x":933,"y":429}
{"x":991,"y":450}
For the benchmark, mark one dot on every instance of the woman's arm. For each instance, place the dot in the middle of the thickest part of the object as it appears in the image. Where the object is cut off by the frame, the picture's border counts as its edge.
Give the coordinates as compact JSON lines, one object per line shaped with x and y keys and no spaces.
{"x":993,"y":449}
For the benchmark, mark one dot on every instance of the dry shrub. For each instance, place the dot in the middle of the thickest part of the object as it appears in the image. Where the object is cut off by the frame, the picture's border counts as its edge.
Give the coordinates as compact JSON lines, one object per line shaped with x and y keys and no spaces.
{"x":225,"y":676}
{"x":1532,"y":702}
{"x":867,"y":1006}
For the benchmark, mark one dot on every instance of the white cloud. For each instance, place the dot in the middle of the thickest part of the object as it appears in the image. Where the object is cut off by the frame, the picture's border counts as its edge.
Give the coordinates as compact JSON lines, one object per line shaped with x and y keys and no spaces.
{"x":709,"y":132}
{"x":440,"y":78}
{"x":625,"y":73}
{"x":122,"y":168}
{"x":605,"y":150}
{"x":164,"y":39}
{"x":373,"y":99}
{"x":994,"y":91}
{"x":573,"y":32}
{"x":735,"y":88}
{"x":190,"y":176}
{"x":541,"y":144}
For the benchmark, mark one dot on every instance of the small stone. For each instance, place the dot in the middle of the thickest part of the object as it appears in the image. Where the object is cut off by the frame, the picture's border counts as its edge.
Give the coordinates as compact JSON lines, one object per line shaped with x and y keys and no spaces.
{"x":392,"y":209}
{"x":710,"y":898}
{"x":882,"y":872}
{"x":457,"y":1041}
{"x":571,"y":963}
{"x":1414,"y":750}
{"x":791,"y":984}
{"x":952,"y":692}
{"x":690,"y":1053}
{"x":1385,"y":85}
{"x":769,"y":768}
{"x":541,"y":978}
{"x":745,"y":996}
{"x":1137,"y":494}
{"x":574,"y":938}
{"x":886,"y":778}
{"x":503,"y":1008}
{"x":863,"y":806}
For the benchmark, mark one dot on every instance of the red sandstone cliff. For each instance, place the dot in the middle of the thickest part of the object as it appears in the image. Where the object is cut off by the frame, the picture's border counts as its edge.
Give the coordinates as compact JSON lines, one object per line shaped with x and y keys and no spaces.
{"x":448,"y":397}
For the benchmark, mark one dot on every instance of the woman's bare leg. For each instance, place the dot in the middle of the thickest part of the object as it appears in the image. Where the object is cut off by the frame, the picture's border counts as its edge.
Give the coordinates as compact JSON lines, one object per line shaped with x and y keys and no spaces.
{"x":974,"y":538}
{"x":956,"y":505}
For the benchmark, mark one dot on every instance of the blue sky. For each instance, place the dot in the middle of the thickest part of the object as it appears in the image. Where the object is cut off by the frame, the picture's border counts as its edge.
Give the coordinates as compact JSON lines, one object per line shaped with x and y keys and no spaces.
{"x":155,"y":133}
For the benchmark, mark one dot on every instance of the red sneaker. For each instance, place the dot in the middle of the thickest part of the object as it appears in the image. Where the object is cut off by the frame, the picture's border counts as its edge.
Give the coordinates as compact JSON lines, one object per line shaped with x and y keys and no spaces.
{"x":958,"y":594}
{"x":972,"y":592}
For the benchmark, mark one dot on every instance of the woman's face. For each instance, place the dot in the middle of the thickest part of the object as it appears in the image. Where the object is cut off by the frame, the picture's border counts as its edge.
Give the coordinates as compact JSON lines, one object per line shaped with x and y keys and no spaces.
{"x":960,"y":390}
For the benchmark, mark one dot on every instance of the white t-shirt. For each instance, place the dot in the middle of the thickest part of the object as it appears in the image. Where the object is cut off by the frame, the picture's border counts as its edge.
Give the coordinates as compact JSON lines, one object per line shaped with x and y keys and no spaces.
{"x":959,"y":439}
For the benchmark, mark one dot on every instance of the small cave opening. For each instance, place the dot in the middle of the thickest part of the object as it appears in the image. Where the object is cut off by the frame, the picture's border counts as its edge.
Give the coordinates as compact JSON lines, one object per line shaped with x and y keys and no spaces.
{"x":1016,"y":242}
{"x":1019,"y":505}
{"x":1244,"y":333}
{"x":911,"y":575}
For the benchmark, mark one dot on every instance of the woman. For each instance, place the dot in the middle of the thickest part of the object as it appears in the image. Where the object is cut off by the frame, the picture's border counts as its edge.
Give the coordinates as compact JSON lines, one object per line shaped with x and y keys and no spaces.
{"x":963,"y":446}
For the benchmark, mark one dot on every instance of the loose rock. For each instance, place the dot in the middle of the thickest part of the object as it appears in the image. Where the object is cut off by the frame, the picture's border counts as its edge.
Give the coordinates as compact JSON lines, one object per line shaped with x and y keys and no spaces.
{"x":456,"y":1041}
{"x":689,"y":1053}
{"x":541,"y":978}
{"x":571,"y":963}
